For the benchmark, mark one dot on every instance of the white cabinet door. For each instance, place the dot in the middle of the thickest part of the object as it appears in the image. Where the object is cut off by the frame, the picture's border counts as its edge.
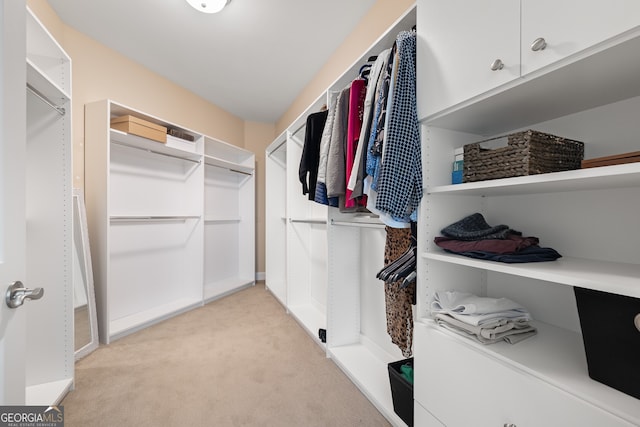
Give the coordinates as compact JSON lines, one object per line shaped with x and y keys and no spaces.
{"x":463,"y":386}
{"x":569,"y":26}
{"x":457,"y":43}
{"x":12,"y":199}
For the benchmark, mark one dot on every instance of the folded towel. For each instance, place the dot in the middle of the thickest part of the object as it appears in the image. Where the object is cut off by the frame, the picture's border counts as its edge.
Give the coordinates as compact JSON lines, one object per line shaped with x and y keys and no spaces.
{"x":511,"y":332}
{"x":476,"y":310}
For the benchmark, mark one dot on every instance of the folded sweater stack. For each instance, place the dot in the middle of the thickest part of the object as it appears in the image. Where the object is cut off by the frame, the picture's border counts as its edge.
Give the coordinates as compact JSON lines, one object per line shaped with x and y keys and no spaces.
{"x":473,"y":237}
{"x":486,"y":320}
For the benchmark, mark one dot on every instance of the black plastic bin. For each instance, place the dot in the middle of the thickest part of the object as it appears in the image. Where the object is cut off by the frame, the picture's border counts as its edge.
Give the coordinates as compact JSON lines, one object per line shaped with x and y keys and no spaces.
{"x":610,"y":326}
{"x":401,"y":391}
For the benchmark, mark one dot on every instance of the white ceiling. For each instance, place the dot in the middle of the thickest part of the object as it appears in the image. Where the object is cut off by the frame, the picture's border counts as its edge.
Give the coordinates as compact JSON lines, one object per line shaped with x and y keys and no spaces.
{"x":252,"y":59}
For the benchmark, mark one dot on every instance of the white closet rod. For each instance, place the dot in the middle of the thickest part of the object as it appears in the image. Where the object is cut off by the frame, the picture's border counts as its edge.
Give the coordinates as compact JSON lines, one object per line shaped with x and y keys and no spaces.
{"x":157,"y":152}
{"x":358,"y":224}
{"x":308,"y":221}
{"x":46,"y":100}
{"x":152,"y":218}
{"x":230,"y":170}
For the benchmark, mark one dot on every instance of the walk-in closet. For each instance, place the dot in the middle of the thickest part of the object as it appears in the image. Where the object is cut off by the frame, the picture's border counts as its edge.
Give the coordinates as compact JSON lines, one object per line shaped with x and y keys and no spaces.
{"x":383,"y":213}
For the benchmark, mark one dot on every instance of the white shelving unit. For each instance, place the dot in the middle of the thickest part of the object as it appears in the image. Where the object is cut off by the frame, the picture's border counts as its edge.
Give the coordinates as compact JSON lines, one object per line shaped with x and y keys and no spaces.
{"x":144,"y":211}
{"x":172,"y":224}
{"x":229,"y":206}
{"x":49,"y":374}
{"x":586,"y":215}
{"x":321,"y":264}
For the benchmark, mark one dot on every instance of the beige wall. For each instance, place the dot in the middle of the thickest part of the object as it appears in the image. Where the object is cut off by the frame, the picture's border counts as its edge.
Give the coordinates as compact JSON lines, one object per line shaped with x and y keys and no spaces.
{"x":257,"y":137}
{"x":99,"y":73}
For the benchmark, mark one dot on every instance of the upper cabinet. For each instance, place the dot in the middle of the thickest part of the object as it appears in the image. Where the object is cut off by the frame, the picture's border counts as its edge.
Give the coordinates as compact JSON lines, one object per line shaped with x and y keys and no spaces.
{"x":467,"y":51}
{"x":567,"y":27}
{"x":487,"y":32}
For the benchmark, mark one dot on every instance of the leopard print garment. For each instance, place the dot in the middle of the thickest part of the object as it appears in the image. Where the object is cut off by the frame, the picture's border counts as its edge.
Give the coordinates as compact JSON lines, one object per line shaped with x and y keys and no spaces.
{"x":398,"y":301}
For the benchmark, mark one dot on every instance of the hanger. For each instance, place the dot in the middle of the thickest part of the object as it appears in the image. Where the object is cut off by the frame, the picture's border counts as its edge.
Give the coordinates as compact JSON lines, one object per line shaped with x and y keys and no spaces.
{"x":404,"y":267}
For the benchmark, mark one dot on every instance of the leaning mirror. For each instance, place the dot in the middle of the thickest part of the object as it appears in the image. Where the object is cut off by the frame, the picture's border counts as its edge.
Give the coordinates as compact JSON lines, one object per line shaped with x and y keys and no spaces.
{"x":84,"y":303}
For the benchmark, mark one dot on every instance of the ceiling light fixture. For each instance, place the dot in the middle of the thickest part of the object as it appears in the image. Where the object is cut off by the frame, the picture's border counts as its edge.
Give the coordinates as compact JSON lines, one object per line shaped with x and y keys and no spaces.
{"x":209,"y":6}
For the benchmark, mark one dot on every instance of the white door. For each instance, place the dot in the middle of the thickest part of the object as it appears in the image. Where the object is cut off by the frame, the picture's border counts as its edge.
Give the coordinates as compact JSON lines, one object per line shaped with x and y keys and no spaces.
{"x":12,"y":198}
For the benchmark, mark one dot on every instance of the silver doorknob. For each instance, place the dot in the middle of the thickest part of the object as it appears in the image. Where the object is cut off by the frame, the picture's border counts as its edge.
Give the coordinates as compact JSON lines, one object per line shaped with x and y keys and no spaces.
{"x":17,"y":293}
{"x":497,"y":65}
{"x":538,"y":44}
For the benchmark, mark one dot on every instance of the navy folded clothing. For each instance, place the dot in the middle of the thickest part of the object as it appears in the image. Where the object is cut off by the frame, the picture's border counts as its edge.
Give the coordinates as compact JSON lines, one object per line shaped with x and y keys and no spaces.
{"x":474,"y":227}
{"x":529,"y":254}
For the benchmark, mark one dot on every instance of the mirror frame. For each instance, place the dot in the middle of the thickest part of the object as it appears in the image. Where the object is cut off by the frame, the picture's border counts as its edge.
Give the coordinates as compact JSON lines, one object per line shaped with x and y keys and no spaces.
{"x":80,"y":215}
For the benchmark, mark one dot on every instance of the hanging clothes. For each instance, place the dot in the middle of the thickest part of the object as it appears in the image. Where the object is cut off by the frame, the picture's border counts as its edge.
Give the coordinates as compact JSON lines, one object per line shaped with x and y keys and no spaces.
{"x":354,"y":125}
{"x":379,"y":118}
{"x":336,"y":164}
{"x":325,"y":142}
{"x":400,"y":180}
{"x":374,"y":160}
{"x":356,"y":179}
{"x":310,"y":159}
{"x":399,"y":299}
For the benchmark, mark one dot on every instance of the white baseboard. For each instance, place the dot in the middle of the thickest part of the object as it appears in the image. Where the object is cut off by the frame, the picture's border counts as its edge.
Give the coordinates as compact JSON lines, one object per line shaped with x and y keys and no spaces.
{"x":260,"y":276}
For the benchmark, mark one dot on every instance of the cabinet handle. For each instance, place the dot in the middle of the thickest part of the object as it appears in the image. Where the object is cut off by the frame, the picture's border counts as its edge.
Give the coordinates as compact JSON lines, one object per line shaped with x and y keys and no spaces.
{"x":497,"y":65}
{"x":509,"y":425}
{"x":538,"y":44}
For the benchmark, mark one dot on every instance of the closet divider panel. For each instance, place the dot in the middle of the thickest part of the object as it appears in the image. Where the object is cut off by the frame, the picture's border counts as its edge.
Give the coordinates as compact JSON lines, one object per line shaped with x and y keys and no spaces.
{"x":276,"y":218}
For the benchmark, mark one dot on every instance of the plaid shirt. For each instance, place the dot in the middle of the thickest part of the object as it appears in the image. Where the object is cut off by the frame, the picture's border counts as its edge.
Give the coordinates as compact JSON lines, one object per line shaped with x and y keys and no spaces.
{"x":400,"y":180}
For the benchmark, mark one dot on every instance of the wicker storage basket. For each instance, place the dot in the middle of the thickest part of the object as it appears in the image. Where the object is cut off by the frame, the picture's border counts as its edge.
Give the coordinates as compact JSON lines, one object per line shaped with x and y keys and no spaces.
{"x":526,"y":153}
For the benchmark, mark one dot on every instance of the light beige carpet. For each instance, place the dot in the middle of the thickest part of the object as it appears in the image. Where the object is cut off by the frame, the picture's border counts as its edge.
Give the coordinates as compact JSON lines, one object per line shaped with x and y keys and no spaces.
{"x":238,"y":361}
